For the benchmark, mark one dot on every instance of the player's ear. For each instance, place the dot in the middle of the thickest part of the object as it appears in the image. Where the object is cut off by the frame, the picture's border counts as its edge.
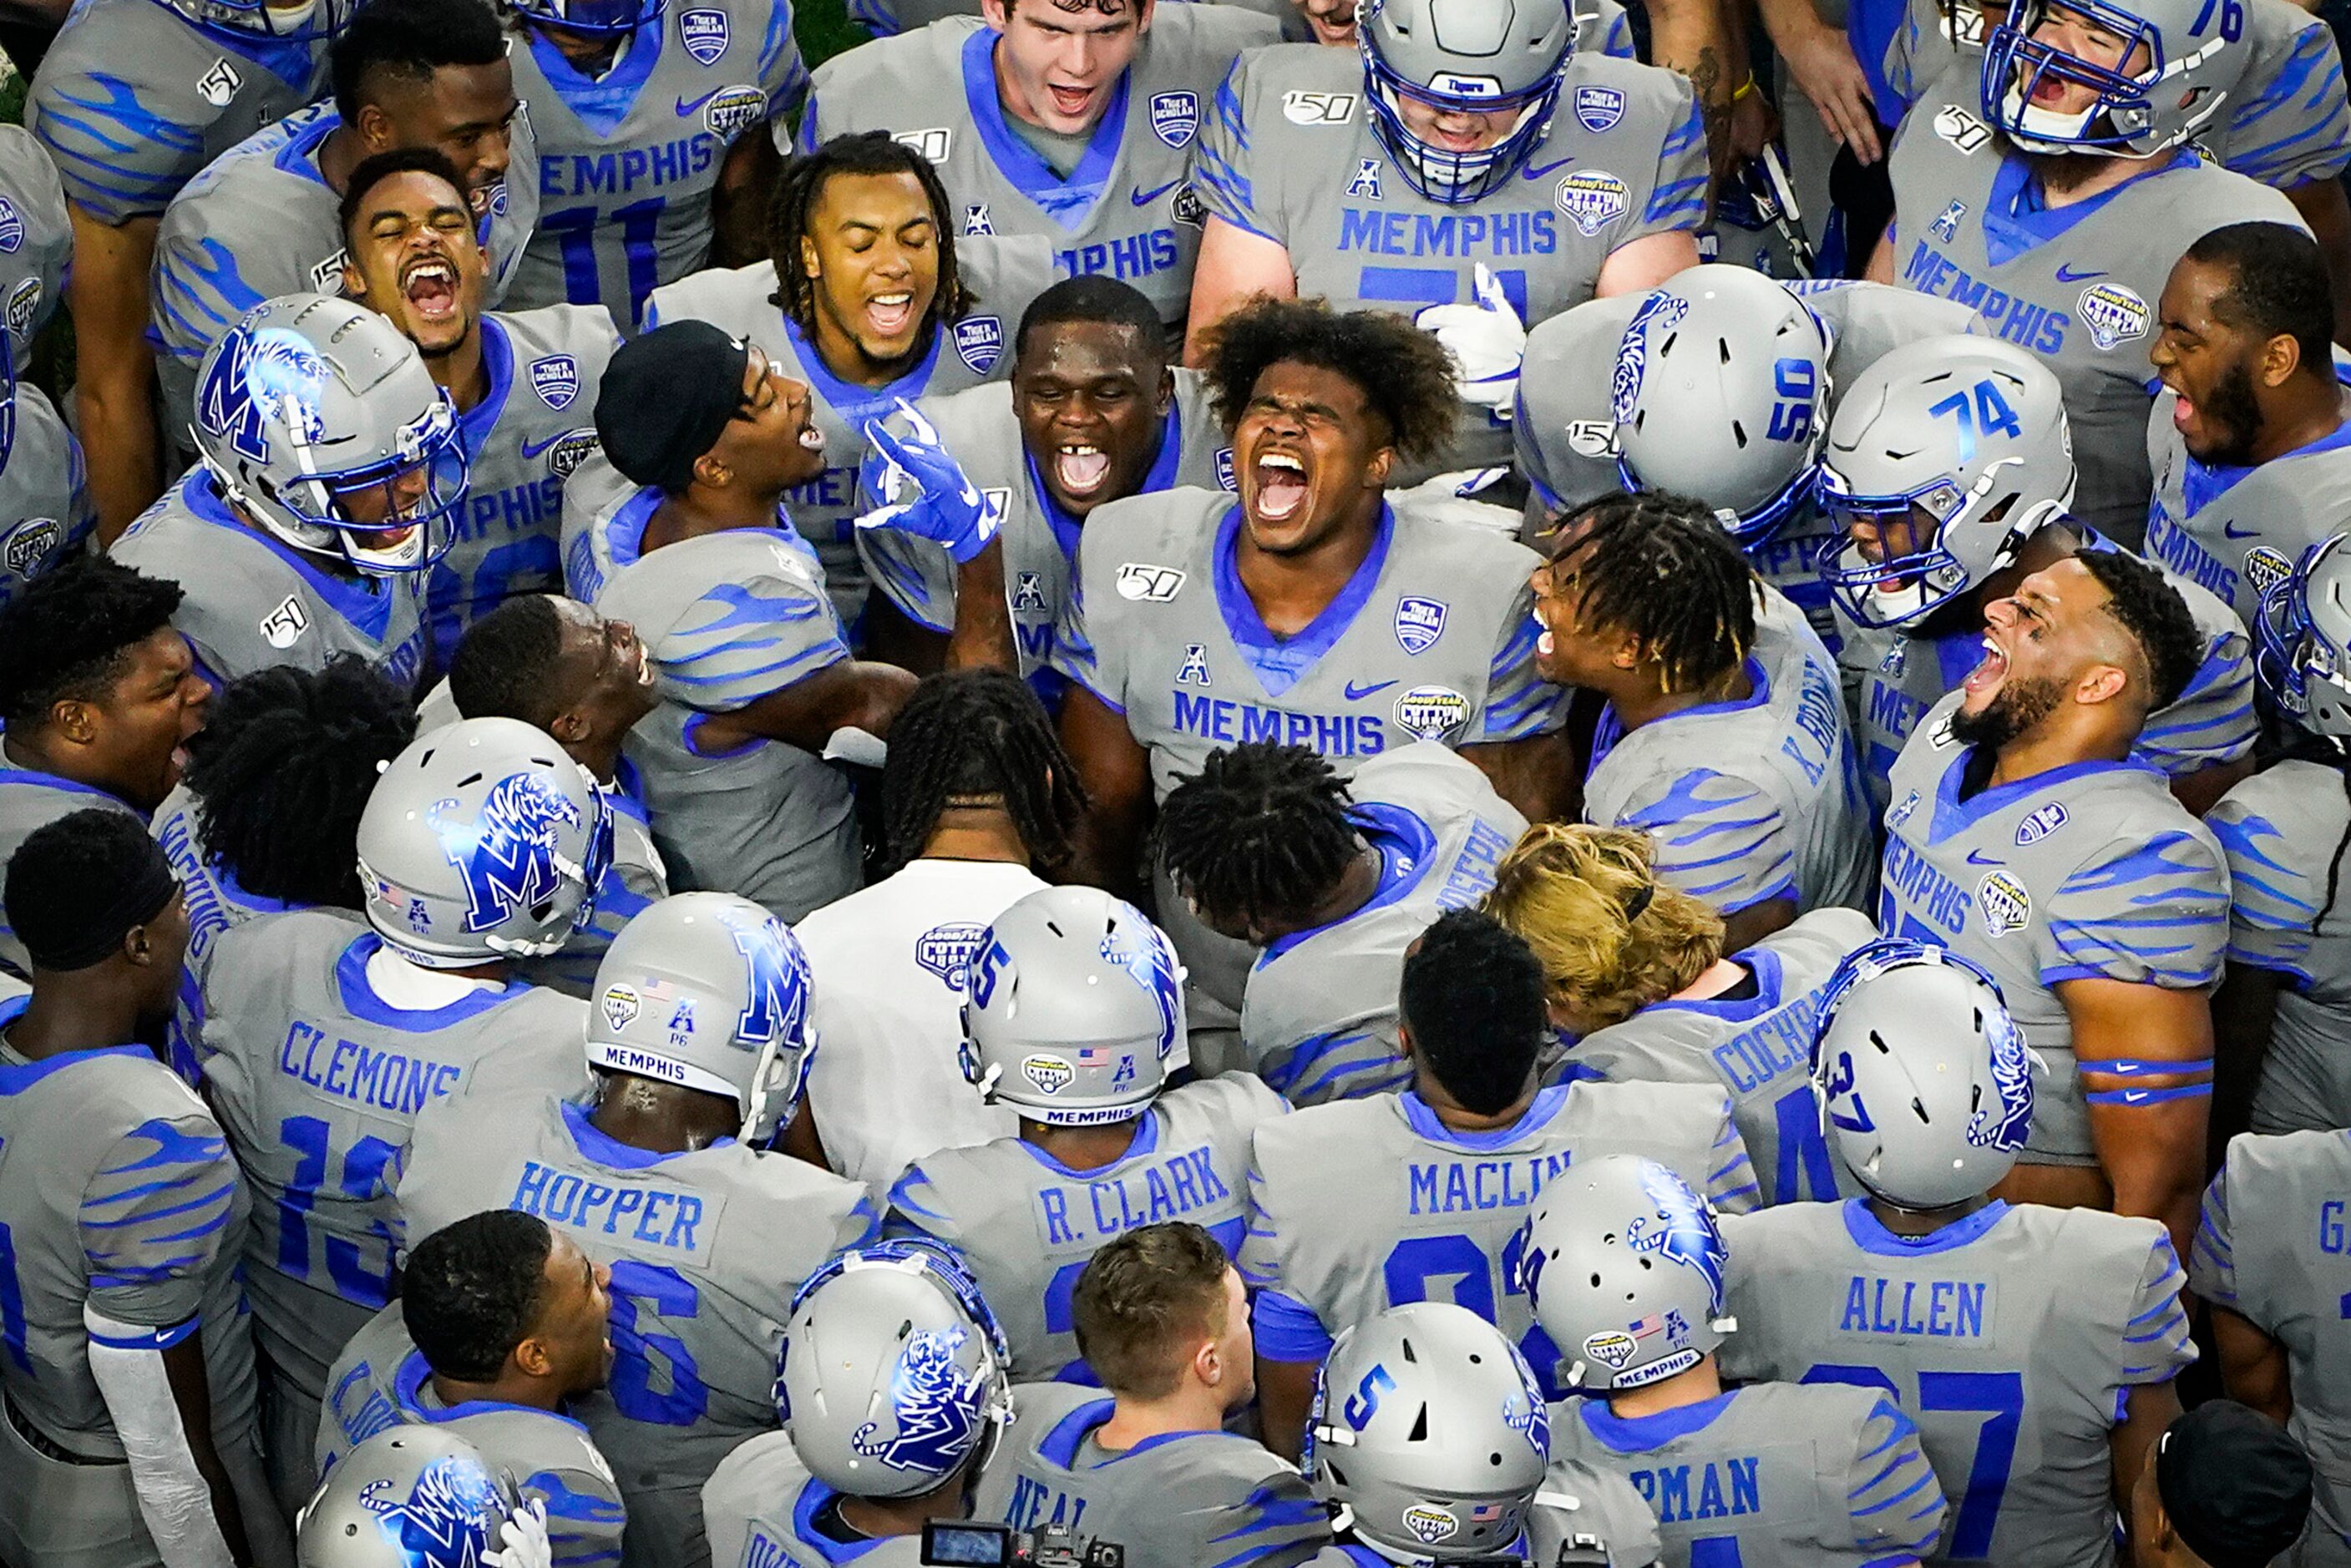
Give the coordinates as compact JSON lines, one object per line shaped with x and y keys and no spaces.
{"x":568,"y":727}
{"x":1383,"y":464}
{"x":2281,"y":356}
{"x":708,"y":470}
{"x":997,"y":13}
{"x":1166,"y":388}
{"x":75,"y":720}
{"x":354,"y":286}
{"x":810,"y":266}
{"x":2101,"y":683}
{"x":375,"y":131}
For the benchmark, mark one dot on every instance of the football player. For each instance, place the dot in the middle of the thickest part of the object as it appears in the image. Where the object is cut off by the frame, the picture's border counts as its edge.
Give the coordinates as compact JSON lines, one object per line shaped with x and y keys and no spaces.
{"x":1144,"y":1462}
{"x":1361,"y":1205}
{"x":1626,"y":1265}
{"x":1332,"y":880}
{"x":559,"y":666}
{"x":128,"y":1374}
{"x":2054,"y":189}
{"x":2024,"y":838}
{"x":1076,"y":1004}
{"x":869,"y":296}
{"x":697,"y":1045}
{"x":501,"y":1325}
{"x":131,"y":100}
{"x":1641,"y":989}
{"x":1480,"y":178}
{"x":1937,"y":518}
{"x":46,"y":512}
{"x":320,"y":1038}
{"x":287,"y":560}
{"x":1724,"y":735}
{"x":893,"y":1395}
{"x":751,"y":661}
{"x":652,"y":160}
{"x":260,"y":221}
{"x":98,"y":694}
{"x":2035,"y":1347}
{"x":2247,"y":439}
{"x":420,"y":1497}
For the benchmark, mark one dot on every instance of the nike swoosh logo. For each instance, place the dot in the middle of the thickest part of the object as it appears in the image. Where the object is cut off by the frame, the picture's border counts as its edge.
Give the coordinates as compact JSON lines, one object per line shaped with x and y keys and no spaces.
{"x":685,"y":108}
{"x":1357,"y":693}
{"x":1977,"y":858}
{"x":2231,"y":531}
{"x":1537,"y":171}
{"x":532,"y":449}
{"x":1143,"y":198}
{"x":2067,"y":274}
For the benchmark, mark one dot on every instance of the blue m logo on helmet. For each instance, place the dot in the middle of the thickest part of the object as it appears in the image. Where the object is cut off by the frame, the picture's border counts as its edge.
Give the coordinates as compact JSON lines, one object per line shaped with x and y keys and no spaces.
{"x":935,"y":1406}
{"x":508,"y":855}
{"x":256,"y":376}
{"x":775,"y":972}
{"x":1140,"y":949}
{"x":446,"y":1519}
{"x":1680,"y":1230}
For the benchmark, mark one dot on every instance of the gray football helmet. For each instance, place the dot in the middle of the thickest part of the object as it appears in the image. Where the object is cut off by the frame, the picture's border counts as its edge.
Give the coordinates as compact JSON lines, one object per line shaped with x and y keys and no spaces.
{"x":1076,"y":999}
{"x":1721,"y":392}
{"x":709,"y":991}
{"x":1626,"y":1266}
{"x":1477,"y":57}
{"x":2302,"y":630}
{"x":319,"y":421}
{"x":1925,"y":1084}
{"x":409,"y":1497}
{"x":483,"y":840}
{"x":1429,"y":1429}
{"x":2194,"y":58}
{"x":1951,"y":452}
{"x":892,"y":1375}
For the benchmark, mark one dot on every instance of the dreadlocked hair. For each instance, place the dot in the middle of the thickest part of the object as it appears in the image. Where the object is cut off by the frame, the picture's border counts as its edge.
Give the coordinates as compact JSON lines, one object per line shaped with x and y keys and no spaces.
{"x":979,"y":737}
{"x":868,"y":153}
{"x":1404,"y":375}
{"x":1658,"y":567}
{"x":283,"y":768}
{"x":1260,"y":835}
{"x":1611,"y":938}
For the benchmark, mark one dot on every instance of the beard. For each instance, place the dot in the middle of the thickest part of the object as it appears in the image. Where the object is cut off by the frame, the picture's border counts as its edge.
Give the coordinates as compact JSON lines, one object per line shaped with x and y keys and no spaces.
{"x":2020,"y":706}
{"x":2064,"y":172}
{"x":2235,"y":415}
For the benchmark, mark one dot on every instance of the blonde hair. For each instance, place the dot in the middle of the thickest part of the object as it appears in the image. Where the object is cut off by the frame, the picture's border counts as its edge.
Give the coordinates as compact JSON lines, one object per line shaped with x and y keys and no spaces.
{"x":1611,"y":938}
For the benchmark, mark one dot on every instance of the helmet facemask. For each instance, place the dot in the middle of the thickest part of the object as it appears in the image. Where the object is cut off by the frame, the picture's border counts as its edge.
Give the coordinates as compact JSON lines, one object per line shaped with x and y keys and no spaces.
{"x":2128,"y":117}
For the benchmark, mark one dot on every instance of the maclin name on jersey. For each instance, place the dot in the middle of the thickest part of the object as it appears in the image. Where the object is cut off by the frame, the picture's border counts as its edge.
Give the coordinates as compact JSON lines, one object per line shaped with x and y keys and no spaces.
{"x":1465,"y":1186}
{"x":1127,"y":1202}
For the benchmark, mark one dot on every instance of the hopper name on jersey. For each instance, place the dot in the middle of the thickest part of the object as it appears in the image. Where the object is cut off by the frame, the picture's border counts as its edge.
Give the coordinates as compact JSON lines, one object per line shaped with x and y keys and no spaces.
{"x":1170,"y":1189}
{"x":395,"y":1081}
{"x":1915,"y":1309}
{"x":2010,"y":317}
{"x":1726,"y":1489}
{"x":655,"y":1216}
{"x":1456,"y":235}
{"x":1467,"y":1186}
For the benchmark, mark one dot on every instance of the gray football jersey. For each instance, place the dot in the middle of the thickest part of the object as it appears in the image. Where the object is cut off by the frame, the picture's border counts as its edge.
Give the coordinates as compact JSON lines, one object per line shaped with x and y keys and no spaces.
{"x":1162,"y":630}
{"x":29,"y":800}
{"x":1126,"y":210}
{"x":763,"y":1510}
{"x":2076,"y":285}
{"x":2287,"y":119}
{"x":1769,"y":1476}
{"x":980,"y":428}
{"x":35,"y":237}
{"x":2211,"y":722}
{"x":319,"y":1081}
{"x":1759,"y":1048}
{"x":1749,"y":801}
{"x":1027,"y":1225}
{"x":2010,"y":1338}
{"x":214,"y":901}
{"x":1319,"y":1015}
{"x":382,"y":1381}
{"x":1003,"y":276}
{"x":2238,"y":531}
{"x":727,"y":618}
{"x":1578,"y":1502}
{"x":535,"y":425}
{"x":1289,"y":153}
{"x":254,"y":601}
{"x":117,"y":1191}
{"x":132,"y":99}
{"x":261,"y":221}
{"x":1187,"y":1499}
{"x":706,"y":1247}
{"x":637,"y":876}
{"x":627,"y":162}
{"x":45,"y":513}
{"x":2091,"y":871}
{"x":1563,"y":429}
{"x":2269,"y":1249}
{"x":1361,"y":1205}
{"x":2281,"y":829}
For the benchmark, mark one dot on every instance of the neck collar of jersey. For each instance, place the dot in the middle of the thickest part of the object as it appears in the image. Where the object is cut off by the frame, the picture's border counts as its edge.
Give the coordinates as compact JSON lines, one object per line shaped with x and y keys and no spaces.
{"x":412,"y":1386}
{"x":601,"y":103}
{"x":1610,"y":728}
{"x":1060,"y":1445}
{"x":475,"y":425}
{"x":1869,"y":1234}
{"x":17,"y":1076}
{"x":1068,"y":202}
{"x":1408,"y":848}
{"x":1770,"y":977}
{"x":365,"y":602}
{"x":1952,"y":813}
{"x":1142,"y":1141}
{"x":35,"y":778}
{"x":607,"y":1151}
{"x":1419,"y":1117}
{"x":299,"y":156}
{"x":293,"y":61}
{"x":855,"y":404}
{"x":1279,"y":662}
{"x":359,"y":997}
{"x":1161,"y":476}
{"x":814,"y":1497}
{"x":2201,"y":484}
{"x":2016,"y":219}
{"x":1645,"y":1434}
{"x":626,"y":792}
